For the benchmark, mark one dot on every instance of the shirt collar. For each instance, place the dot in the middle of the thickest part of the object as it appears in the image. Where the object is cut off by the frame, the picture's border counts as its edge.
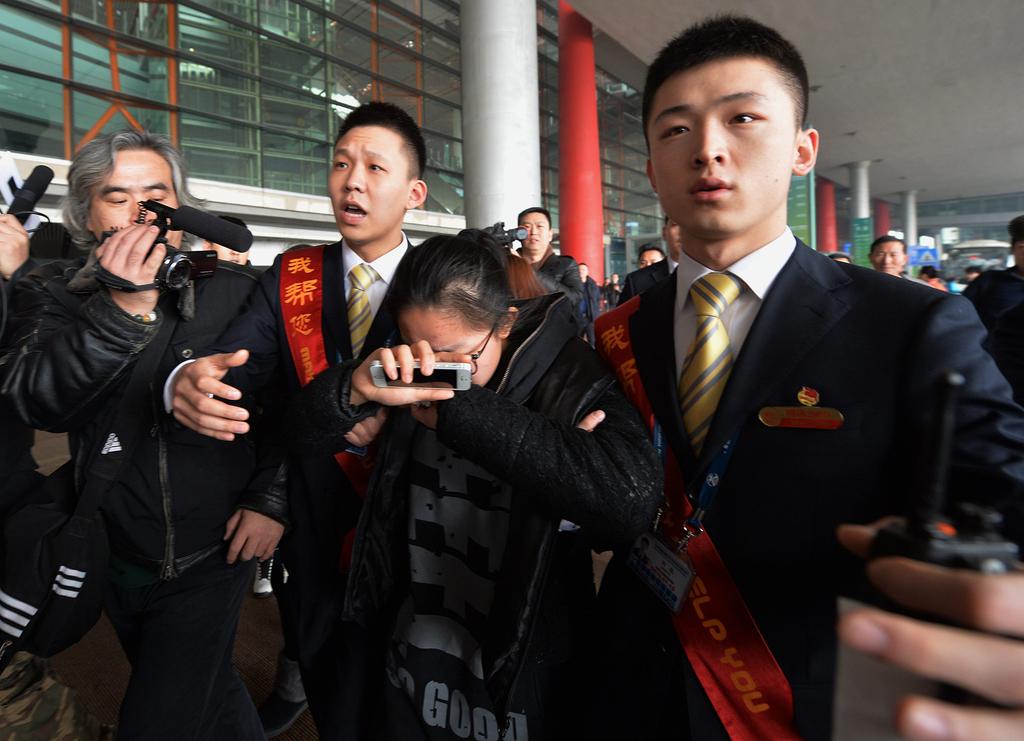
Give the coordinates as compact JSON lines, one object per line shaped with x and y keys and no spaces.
{"x":757,"y":270}
{"x":385,"y":265}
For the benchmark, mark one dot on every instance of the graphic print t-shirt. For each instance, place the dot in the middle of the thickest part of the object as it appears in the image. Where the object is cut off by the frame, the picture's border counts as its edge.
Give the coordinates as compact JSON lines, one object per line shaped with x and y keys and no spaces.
{"x":458,"y":528}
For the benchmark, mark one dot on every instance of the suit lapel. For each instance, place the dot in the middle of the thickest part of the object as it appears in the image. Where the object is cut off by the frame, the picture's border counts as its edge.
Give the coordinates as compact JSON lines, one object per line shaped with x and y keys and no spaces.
{"x":797,"y":313}
{"x":652,"y":332}
{"x":336,"y":337}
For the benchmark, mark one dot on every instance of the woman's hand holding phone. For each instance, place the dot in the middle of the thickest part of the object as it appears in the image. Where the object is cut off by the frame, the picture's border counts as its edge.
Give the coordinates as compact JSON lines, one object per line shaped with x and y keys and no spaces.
{"x":397,"y":363}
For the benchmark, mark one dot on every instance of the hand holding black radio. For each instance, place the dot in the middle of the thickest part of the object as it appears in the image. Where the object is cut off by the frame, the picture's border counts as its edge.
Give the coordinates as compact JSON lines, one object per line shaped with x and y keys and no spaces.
{"x":988,"y":664}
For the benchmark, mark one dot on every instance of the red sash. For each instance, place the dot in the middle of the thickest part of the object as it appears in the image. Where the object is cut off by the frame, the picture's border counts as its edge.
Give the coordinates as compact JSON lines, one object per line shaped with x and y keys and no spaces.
{"x":302,"y":307}
{"x":735,"y":667}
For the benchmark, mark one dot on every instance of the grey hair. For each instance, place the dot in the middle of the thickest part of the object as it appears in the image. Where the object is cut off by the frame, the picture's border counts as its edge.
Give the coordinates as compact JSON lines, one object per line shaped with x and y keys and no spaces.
{"x":94,"y":162}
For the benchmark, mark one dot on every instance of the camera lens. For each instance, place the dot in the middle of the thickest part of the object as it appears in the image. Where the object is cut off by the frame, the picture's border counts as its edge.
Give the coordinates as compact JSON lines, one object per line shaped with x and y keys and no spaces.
{"x":176,"y":271}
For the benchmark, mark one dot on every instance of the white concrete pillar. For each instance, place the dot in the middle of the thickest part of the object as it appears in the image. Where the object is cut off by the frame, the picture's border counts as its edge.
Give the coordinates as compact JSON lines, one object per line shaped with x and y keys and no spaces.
{"x":910,"y":217}
{"x":500,"y":118}
{"x":860,"y":190}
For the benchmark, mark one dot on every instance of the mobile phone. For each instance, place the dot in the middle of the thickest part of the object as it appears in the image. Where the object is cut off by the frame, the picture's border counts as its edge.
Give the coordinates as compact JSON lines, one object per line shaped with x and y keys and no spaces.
{"x":445,"y":376}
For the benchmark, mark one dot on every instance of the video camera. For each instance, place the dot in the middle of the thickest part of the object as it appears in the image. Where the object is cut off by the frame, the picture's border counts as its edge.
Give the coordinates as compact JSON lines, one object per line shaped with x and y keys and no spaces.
{"x":505,"y":236}
{"x":179,"y":267}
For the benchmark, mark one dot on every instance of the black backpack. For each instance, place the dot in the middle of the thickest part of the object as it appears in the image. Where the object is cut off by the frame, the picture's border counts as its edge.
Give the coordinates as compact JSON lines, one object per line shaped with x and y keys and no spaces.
{"x":54,"y":552}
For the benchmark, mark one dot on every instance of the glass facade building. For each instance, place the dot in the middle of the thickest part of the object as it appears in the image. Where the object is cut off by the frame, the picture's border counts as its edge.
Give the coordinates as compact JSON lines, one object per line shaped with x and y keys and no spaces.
{"x":253,"y":91}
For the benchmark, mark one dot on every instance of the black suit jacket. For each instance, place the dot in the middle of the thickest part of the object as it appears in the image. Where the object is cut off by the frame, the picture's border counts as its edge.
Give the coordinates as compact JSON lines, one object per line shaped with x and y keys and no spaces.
{"x":640,"y":280}
{"x":323,"y":504}
{"x":873,"y":348}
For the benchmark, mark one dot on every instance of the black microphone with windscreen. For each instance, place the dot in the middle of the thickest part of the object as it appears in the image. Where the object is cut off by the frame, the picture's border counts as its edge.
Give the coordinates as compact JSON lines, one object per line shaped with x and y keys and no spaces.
{"x":27,"y":196}
{"x":212,"y":228}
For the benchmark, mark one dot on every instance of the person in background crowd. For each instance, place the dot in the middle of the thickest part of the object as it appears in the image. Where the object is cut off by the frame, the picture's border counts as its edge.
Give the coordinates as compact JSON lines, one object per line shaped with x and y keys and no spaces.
{"x":839,"y":257}
{"x":376,"y":176}
{"x":995,"y":292}
{"x":226,"y":253}
{"x":648,"y":255}
{"x":790,"y":391}
{"x":461,"y":564}
{"x":590,"y":305}
{"x":188,"y":515}
{"x":972,"y":272}
{"x":889,"y":255}
{"x":932,"y":277}
{"x":640,"y":280}
{"x":556,"y":272}
{"x":610,"y":291}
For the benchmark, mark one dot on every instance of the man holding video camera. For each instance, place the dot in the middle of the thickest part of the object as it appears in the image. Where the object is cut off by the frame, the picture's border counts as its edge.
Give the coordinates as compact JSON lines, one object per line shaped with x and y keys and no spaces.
{"x":187,"y":514}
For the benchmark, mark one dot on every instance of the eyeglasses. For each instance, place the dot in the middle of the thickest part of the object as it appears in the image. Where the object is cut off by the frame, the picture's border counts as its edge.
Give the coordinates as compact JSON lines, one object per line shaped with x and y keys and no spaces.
{"x":475,"y":356}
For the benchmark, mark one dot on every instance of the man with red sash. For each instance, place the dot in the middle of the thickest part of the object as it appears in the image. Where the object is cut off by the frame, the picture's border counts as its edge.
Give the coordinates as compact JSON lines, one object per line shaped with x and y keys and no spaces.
{"x":787,"y":393}
{"x":315,"y":307}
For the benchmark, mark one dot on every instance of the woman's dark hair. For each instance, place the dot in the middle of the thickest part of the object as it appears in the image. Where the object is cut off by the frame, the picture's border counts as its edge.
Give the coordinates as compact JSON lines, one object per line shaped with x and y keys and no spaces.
{"x":466,"y":275}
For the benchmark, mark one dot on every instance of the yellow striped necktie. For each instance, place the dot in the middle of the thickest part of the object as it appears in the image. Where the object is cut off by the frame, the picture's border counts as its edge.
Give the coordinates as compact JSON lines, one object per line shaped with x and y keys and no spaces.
{"x":361,"y":277}
{"x":707,"y":365}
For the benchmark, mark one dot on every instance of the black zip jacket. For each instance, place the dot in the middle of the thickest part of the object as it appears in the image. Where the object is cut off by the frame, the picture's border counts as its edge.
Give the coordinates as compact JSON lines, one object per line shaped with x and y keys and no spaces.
{"x":69,"y":361}
{"x":561,"y":273}
{"x":609,"y":482}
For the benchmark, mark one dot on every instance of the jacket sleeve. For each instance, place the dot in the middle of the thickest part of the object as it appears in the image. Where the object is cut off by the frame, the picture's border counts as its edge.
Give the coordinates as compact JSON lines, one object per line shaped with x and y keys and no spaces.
{"x":63,"y":363}
{"x":987,"y":457}
{"x":267,"y":492}
{"x":319,"y":415}
{"x":608,"y":481}
{"x":255,"y":329}
{"x":1008,"y":349}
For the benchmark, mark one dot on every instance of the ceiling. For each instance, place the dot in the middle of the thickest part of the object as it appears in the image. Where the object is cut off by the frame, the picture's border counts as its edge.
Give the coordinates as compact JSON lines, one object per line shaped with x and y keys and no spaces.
{"x":931,"y":90}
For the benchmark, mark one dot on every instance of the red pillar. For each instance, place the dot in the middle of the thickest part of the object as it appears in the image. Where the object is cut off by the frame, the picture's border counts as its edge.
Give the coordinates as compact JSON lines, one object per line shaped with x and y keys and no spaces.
{"x":825,"y":206}
{"x":581,"y":214}
{"x":883,"y":221}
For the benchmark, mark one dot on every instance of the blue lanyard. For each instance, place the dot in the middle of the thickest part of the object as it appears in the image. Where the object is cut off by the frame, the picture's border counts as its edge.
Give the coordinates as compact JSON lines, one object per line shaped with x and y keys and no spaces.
{"x":712,"y":480}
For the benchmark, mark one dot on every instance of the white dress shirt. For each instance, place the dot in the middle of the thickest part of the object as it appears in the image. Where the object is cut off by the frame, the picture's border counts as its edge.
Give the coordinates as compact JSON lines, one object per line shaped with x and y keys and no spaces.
{"x":757,"y":271}
{"x":385,"y":267}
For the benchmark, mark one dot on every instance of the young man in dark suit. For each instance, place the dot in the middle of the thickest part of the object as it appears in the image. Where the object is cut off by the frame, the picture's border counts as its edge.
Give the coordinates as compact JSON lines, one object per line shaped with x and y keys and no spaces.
{"x":375,"y":178}
{"x":821,"y":377}
{"x":640,"y":280}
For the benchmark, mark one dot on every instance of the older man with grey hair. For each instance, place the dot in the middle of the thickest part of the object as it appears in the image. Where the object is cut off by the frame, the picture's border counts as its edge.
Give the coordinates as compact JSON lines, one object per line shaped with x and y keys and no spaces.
{"x":187,"y":515}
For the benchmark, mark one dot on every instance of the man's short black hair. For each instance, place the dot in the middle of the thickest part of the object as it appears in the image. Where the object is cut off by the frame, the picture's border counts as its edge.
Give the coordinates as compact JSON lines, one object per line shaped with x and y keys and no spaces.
{"x":885,"y":240}
{"x":533,"y":210}
{"x":389,"y":116}
{"x":728,"y":37}
{"x":976,"y":269}
{"x":1016,"y":229}
{"x":650,"y":247}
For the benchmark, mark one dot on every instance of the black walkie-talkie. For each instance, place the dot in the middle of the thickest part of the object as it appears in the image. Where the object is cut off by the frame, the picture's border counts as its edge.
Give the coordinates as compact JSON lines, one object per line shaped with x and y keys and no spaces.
{"x":969,"y":539}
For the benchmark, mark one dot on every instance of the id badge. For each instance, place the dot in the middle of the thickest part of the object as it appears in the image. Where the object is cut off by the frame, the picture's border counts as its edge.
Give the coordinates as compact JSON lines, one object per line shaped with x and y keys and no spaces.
{"x":668,"y":574}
